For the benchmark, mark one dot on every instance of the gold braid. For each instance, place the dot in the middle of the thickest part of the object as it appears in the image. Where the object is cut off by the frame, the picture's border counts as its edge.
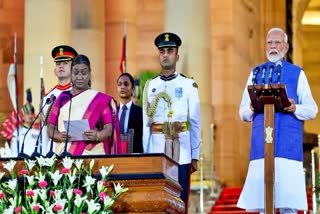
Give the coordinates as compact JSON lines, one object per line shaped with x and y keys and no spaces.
{"x":150,"y":110}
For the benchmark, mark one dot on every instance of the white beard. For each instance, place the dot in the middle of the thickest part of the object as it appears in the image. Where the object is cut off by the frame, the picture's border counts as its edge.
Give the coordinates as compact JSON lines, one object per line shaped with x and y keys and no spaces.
{"x":275,"y":58}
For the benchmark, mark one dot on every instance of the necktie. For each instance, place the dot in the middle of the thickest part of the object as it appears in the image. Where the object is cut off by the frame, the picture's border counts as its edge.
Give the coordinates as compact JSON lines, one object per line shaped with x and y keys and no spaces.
{"x":122,"y":118}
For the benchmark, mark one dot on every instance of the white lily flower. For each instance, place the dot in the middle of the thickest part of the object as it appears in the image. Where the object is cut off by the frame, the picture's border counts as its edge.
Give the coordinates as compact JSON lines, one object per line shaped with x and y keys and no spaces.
{"x":12,"y":202}
{"x":78,"y":163}
{"x":100,"y":186}
{"x":118,"y":188}
{"x":69,"y":193}
{"x":41,"y":161}
{"x":72,"y":178}
{"x":9,"y":210}
{"x":108,"y":201}
{"x":58,"y":194}
{"x":40,"y":177}
{"x":1,"y":175}
{"x":12,"y":184}
{"x":67,"y":162}
{"x":78,"y":201}
{"x":10,"y":165}
{"x":43,"y":194}
{"x":30,"y":179}
{"x":56,"y":176}
{"x":110,"y":168}
{"x":89,"y":182}
{"x":30,"y":163}
{"x":50,"y":161}
{"x":105,"y":170}
{"x":92,"y":206}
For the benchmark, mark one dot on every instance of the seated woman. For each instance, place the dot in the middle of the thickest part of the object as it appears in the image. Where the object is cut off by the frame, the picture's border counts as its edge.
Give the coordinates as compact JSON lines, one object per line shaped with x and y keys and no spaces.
{"x":82,"y":102}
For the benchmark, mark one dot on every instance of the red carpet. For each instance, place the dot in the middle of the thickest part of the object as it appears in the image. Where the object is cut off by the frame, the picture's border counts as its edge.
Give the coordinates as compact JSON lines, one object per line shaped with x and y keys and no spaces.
{"x":227,"y":201}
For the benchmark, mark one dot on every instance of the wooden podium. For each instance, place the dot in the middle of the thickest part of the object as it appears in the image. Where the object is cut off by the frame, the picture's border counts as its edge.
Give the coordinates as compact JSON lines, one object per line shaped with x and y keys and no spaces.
{"x":268,"y":99}
{"x":152,"y":180}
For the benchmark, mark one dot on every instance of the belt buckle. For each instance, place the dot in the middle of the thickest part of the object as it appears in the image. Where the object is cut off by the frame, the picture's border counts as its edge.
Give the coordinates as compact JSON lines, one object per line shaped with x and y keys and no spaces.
{"x":177,"y":126}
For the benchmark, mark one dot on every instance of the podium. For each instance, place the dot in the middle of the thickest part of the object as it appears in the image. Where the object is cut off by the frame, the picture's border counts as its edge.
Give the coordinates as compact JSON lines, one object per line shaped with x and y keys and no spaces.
{"x":152,"y":180}
{"x":268,"y":99}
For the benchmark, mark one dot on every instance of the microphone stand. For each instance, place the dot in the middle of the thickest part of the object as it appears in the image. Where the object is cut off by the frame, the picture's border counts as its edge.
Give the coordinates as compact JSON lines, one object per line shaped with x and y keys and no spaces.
{"x":22,"y":154}
{"x":35,"y":152}
{"x":39,"y":139}
{"x":65,"y":153}
{"x":51,"y":152}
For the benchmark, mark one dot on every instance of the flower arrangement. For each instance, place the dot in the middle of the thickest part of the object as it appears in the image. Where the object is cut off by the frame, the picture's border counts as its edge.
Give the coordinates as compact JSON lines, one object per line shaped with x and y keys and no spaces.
{"x":40,"y":188}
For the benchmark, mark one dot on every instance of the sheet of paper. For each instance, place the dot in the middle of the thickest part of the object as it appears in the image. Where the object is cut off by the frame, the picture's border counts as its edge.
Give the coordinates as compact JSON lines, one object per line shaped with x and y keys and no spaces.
{"x":77,"y":129}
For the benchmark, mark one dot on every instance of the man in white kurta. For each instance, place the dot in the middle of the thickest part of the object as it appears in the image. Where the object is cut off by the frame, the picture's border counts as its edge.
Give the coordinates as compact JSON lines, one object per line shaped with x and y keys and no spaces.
{"x":290,"y":189}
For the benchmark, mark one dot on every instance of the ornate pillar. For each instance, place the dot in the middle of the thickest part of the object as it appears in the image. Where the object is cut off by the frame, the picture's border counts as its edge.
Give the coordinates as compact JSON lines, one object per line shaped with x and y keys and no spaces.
{"x":47,"y":24}
{"x":88,"y":36}
{"x":11,"y":22}
{"x":116,"y":11}
{"x":194,"y":61}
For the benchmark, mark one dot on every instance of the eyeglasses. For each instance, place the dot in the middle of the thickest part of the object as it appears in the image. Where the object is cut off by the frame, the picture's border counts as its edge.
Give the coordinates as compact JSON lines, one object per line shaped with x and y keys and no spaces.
{"x":276,"y":43}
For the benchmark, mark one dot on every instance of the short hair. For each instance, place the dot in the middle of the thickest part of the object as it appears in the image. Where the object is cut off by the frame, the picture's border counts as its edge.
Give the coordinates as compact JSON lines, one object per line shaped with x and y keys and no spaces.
{"x":277,"y":29}
{"x":127,"y":75}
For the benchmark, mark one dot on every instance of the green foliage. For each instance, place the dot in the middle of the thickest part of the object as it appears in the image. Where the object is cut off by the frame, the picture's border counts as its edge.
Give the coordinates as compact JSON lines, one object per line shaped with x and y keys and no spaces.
{"x":143,"y":77}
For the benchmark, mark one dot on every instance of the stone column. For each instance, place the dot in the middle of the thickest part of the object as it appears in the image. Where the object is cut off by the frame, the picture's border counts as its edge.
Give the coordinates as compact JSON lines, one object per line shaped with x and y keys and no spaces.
{"x":47,"y":24}
{"x":88,"y":36}
{"x":11,"y":22}
{"x":194,"y":61}
{"x":116,"y":11}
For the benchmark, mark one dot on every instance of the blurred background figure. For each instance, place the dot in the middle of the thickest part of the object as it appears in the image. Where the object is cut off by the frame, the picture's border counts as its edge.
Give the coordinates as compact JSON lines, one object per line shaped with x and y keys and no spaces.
{"x":30,"y":139}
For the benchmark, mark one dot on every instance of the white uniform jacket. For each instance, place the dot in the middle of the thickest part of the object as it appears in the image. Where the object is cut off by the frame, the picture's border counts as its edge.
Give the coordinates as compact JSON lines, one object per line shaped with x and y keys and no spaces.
{"x":186,"y":107}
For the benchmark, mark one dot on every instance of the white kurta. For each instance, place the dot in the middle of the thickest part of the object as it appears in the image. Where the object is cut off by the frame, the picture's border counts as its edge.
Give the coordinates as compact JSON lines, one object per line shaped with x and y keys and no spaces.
{"x":290,"y":189}
{"x":186,"y":107}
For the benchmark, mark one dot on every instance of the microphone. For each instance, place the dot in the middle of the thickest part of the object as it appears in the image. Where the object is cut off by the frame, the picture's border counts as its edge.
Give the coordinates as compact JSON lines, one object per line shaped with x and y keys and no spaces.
{"x":254,"y":77}
{"x":65,"y":153}
{"x":22,"y":154}
{"x":39,"y":138}
{"x":279,"y":67}
{"x":271,"y":69}
{"x":264,"y":68}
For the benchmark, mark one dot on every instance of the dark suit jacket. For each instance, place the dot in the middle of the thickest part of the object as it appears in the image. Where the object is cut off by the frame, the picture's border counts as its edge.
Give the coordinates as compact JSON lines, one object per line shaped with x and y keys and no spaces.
{"x":136,"y":122}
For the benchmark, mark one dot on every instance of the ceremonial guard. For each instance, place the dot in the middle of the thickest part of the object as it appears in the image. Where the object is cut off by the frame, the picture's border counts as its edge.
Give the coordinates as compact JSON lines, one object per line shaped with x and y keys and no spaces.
{"x":63,"y":56}
{"x":28,"y":142}
{"x":171,"y":113}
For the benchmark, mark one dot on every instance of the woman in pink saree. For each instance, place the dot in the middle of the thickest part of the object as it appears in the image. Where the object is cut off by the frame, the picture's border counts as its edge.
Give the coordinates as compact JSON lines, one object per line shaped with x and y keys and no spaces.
{"x":81,"y":103}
